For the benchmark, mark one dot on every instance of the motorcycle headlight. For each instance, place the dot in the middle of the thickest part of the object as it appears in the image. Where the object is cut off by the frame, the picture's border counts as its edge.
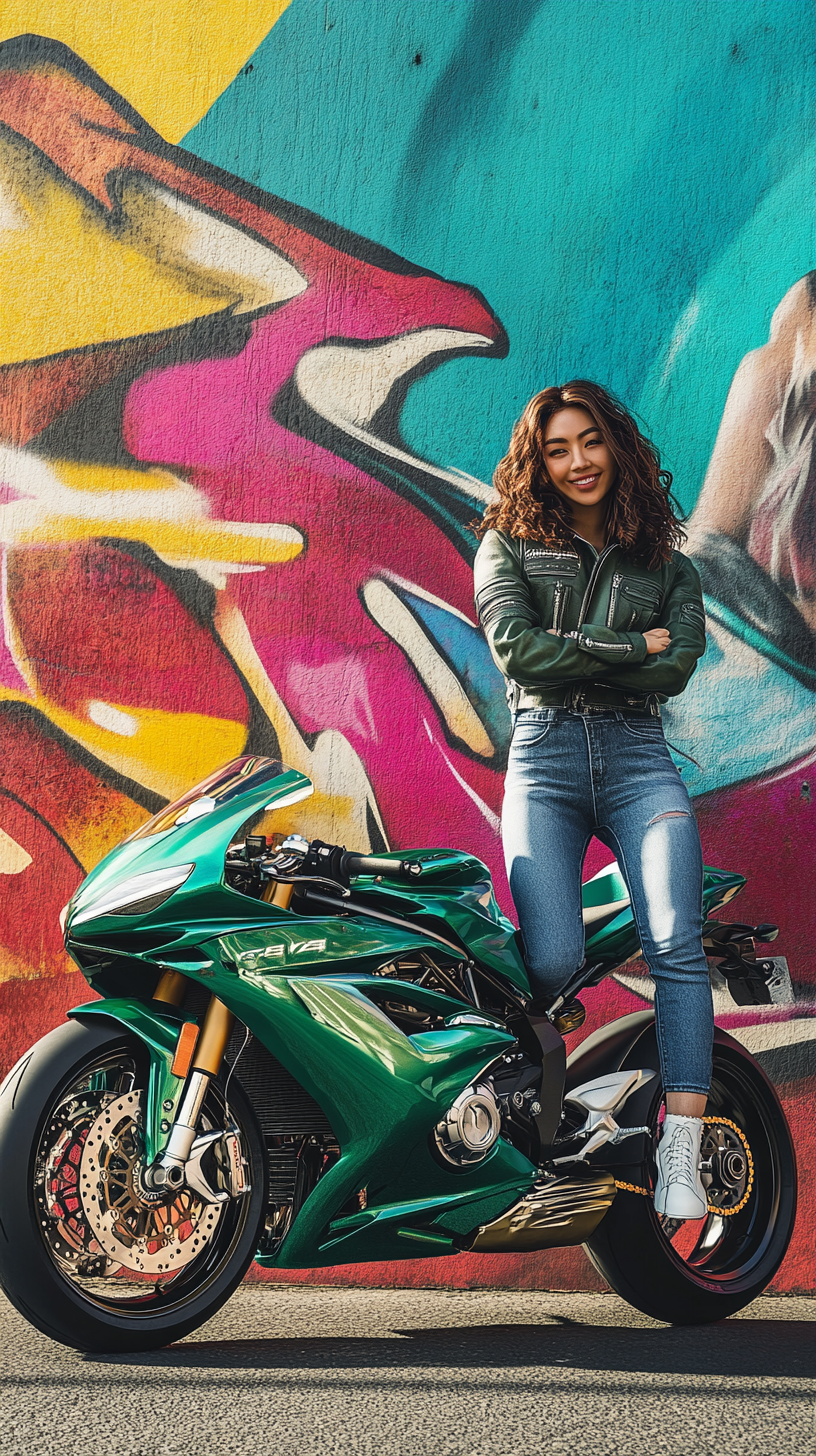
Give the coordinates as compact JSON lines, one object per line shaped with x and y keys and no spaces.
{"x":137,"y":895}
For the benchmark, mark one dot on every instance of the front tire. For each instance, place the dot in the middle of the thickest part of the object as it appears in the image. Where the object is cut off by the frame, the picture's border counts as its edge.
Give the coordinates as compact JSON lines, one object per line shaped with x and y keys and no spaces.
{"x":58,"y":1258}
{"x":704,"y":1270}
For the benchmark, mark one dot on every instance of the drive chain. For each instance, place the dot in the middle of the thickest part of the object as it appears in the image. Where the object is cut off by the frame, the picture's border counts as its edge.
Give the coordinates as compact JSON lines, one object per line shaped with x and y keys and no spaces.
{"x":712,"y":1207}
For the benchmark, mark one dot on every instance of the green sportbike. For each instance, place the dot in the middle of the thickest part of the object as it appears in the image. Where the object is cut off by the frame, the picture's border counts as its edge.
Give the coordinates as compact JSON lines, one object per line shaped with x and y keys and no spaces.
{"x":311,"y":1057}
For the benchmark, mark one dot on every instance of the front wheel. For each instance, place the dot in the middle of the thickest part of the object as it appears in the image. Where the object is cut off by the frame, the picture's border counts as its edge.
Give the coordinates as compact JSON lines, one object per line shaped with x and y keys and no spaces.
{"x":84,"y":1255}
{"x":697,"y":1271}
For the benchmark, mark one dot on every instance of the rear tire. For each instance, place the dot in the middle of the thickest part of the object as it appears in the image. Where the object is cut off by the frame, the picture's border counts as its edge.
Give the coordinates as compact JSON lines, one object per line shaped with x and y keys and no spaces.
{"x":51,"y":1267}
{"x":704,"y":1270}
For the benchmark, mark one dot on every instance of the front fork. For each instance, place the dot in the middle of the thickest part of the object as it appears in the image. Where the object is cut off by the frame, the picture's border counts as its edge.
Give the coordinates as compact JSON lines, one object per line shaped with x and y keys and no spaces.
{"x":198,"y":1058}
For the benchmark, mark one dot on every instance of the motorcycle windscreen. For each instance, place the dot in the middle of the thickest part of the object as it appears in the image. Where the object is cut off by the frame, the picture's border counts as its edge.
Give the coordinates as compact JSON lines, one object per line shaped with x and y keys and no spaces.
{"x":240,"y":776}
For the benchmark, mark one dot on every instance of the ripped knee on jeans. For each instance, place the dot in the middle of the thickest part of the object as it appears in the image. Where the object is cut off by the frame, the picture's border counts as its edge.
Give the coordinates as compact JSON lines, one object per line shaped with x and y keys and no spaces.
{"x":669,"y":814}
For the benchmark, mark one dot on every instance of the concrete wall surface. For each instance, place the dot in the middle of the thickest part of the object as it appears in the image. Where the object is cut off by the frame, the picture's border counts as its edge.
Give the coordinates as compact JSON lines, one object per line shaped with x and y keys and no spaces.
{"x":277,"y":280}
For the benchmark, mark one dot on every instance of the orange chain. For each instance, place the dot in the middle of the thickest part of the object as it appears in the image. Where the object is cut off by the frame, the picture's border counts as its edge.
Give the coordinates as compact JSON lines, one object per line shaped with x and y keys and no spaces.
{"x":712,"y":1207}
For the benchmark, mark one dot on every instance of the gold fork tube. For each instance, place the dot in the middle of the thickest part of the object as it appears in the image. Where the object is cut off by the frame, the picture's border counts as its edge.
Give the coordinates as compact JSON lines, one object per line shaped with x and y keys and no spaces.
{"x":171,"y":988}
{"x":274,"y":893}
{"x":215,"y":1033}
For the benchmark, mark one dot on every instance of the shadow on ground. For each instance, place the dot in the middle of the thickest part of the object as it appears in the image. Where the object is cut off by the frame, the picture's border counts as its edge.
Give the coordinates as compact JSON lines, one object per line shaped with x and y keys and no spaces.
{"x":759,"y":1348}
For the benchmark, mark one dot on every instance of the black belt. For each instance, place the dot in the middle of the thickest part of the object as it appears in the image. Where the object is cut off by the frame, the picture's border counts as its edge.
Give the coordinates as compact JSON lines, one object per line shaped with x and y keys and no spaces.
{"x":592,"y":699}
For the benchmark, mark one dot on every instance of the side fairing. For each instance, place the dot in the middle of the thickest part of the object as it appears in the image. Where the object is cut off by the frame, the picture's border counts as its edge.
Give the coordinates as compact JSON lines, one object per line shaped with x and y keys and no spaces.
{"x":302,"y":946}
{"x":382,"y":1091}
{"x":303,"y":986}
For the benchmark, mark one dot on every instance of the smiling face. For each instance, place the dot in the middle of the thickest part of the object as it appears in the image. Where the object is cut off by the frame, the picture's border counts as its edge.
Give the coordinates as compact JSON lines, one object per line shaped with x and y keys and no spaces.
{"x":579,"y":464}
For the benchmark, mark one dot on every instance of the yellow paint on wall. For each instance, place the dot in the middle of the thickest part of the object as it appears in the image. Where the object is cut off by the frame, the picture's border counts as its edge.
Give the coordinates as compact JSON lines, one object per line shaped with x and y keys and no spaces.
{"x":74,"y":275}
{"x":69,"y":282}
{"x":68,"y":500}
{"x":170,"y":59}
{"x":16,"y":968}
{"x":166,"y":752}
{"x":99,"y":820}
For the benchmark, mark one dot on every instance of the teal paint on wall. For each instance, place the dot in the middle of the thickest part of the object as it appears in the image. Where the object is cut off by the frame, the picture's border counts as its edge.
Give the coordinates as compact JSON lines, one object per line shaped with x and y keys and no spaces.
{"x":596,"y":170}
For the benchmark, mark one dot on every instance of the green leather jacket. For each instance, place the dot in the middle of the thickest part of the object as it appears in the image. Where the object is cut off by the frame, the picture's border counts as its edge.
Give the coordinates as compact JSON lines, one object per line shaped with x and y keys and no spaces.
{"x":599,"y":606}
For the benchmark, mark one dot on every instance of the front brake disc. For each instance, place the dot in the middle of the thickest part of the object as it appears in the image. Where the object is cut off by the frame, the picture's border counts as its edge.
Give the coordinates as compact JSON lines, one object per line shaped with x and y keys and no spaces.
{"x":147,"y":1238}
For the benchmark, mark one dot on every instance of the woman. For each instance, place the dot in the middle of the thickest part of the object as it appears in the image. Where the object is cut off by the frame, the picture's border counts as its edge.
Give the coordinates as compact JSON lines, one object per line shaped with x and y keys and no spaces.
{"x":594,"y":619}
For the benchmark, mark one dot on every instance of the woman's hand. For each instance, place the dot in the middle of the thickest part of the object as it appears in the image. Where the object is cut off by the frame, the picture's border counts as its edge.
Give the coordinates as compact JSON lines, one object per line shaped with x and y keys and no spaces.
{"x":657,"y":640}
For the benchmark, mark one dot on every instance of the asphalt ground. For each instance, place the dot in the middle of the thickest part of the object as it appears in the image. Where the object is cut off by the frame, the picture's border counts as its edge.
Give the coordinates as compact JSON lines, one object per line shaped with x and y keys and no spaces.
{"x":286,"y":1371}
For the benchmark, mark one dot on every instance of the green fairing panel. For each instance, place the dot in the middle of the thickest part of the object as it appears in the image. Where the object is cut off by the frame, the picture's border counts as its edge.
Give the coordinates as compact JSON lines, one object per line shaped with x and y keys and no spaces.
{"x":196,"y":831}
{"x":444,"y":1216}
{"x":297,"y":944}
{"x":159,"y":1033}
{"x":383,"y":1092}
{"x":618,"y":939}
{"x":390,"y":988}
{"x":455,"y":889}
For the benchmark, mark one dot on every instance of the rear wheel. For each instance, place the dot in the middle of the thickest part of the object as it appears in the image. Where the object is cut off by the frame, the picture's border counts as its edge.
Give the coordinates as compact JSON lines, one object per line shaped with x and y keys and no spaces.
{"x":86,"y":1257}
{"x":696,"y":1271}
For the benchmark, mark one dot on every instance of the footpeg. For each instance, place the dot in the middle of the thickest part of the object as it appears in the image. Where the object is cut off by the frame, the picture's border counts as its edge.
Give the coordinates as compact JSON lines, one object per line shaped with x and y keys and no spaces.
{"x":601,"y":1099}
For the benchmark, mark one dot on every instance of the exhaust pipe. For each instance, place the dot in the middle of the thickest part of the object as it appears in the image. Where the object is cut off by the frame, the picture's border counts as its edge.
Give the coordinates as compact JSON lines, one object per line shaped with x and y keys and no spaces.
{"x":556,"y":1212}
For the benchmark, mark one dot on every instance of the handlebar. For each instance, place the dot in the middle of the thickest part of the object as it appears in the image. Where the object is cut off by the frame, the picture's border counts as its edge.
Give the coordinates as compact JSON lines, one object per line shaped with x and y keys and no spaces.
{"x":371,"y":864}
{"x":338,"y":863}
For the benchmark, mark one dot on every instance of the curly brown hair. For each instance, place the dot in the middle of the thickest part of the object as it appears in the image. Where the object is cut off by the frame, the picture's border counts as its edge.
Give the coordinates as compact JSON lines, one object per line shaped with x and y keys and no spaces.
{"x":642,"y":515}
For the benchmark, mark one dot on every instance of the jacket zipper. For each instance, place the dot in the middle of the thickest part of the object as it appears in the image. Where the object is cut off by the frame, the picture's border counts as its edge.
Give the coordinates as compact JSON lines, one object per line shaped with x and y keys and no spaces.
{"x":607,"y":646}
{"x":613,"y":598}
{"x":558,"y":605}
{"x":591,"y":583}
{"x":637,"y":594}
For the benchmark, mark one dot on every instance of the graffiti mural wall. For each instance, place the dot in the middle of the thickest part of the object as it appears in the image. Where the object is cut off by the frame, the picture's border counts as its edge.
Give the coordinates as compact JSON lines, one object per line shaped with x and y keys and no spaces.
{"x":247,"y":418}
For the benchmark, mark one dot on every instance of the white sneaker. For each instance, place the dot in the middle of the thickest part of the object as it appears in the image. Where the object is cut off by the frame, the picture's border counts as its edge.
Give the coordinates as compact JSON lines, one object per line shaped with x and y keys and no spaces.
{"x":680,"y":1192}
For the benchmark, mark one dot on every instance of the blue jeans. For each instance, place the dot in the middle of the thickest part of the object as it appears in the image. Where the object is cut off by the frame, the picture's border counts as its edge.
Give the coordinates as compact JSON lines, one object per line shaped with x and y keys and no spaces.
{"x":609,"y":774}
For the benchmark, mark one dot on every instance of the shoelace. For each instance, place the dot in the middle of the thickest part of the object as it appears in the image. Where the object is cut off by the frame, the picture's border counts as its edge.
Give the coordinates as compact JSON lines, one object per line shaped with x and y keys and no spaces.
{"x":712,"y":1207}
{"x":679,"y":1157}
